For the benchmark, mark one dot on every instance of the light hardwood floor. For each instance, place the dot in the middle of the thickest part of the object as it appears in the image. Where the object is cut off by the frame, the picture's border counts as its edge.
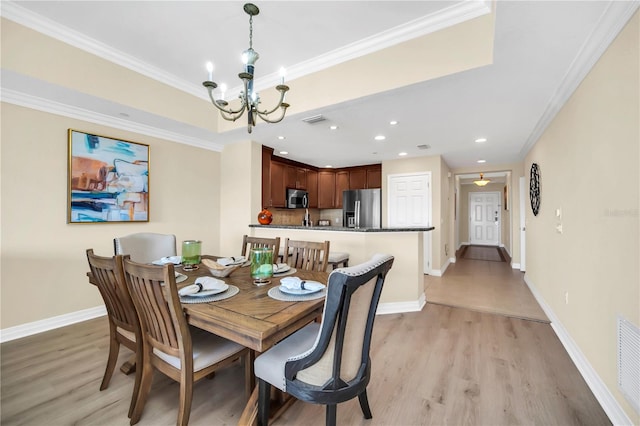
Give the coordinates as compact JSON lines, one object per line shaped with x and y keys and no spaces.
{"x":441,"y":366}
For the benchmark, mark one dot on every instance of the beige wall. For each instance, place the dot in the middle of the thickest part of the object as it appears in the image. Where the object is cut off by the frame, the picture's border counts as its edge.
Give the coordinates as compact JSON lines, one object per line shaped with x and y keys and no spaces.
{"x":43,"y":258}
{"x":589,"y":162}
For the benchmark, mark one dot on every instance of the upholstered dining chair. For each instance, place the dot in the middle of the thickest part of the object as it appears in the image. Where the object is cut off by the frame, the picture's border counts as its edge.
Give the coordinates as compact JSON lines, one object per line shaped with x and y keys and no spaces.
{"x":254,"y":242}
{"x":328,"y":362}
{"x":183,"y":353}
{"x":145,"y":247}
{"x":306,"y":255}
{"x":124,"y":328}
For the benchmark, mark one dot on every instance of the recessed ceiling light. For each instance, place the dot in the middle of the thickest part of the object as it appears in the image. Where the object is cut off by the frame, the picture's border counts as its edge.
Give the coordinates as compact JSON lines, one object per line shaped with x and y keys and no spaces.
{"x":328,"y":166}
{"x":482,"y":161}
{"x":281,"y":138}
{"x":334,"y":127}
{"x":402,"y":154}
{"x":393,"y":122}
{"x":284,"y":152}
{"x":480,"y":140}
{"x":380,"y":137}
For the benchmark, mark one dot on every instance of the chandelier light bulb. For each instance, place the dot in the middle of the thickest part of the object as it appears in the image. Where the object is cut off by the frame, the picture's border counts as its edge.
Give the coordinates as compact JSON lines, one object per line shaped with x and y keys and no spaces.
{"x":223,"y":89}
{"x":210,"y":70}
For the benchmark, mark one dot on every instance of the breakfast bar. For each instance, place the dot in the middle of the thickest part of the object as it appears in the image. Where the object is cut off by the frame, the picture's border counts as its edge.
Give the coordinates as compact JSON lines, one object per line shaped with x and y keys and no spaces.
{"x":404,"y":287}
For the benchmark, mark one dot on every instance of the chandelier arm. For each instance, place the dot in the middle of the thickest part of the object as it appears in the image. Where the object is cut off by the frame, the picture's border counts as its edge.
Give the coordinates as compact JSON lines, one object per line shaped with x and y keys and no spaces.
{"x":227,"y":111}
{"x":283,"y":90}
{"x":284,"y":107}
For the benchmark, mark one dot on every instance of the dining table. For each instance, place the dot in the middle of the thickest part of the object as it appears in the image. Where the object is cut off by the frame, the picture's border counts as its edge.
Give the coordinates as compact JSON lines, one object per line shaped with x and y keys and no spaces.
{"x":254,"y":319}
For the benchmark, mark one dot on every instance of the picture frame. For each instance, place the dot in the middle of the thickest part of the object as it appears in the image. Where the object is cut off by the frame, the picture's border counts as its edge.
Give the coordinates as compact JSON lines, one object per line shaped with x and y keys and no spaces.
{"x":108,"y":179}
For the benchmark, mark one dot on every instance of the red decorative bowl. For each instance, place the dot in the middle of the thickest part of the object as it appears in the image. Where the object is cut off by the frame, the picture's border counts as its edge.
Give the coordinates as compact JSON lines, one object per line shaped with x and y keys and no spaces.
{"x":265,"y":217}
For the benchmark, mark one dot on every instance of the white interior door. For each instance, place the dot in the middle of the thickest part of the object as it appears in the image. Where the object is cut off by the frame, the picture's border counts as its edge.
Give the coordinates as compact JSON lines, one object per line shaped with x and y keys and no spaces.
{"x":484,"y":218}
{"x":409,"y":205}
{"x":523,"y":201}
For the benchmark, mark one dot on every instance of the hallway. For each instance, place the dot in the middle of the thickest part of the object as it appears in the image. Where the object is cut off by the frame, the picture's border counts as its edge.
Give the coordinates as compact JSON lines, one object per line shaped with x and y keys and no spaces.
{"x":484,"y":285}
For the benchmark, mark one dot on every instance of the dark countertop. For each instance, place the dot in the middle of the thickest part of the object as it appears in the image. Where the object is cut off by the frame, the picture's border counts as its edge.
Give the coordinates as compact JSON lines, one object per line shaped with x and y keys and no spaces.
{"x":342,"y":228}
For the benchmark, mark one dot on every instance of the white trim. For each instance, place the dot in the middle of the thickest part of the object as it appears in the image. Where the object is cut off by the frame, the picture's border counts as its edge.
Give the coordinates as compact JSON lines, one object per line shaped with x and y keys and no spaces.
{"x":424,"y":25}
{"x":40,"y":326}
{"x":53,"y":107}
{"x":401,"y":307}
{"x":611,"y":22}
{"x":515,"y":266}
{"x":600,"y":390}
{"x":440,"y":272}
{"x":452,"y":260}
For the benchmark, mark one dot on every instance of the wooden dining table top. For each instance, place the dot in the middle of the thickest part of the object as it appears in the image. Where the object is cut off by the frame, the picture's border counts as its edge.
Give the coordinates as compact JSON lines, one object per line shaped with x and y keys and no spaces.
{"x":252,"y":318}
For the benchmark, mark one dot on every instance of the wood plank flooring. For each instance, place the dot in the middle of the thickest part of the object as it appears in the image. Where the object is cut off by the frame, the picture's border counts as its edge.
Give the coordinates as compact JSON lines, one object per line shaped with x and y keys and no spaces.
{"x":441,"y":366}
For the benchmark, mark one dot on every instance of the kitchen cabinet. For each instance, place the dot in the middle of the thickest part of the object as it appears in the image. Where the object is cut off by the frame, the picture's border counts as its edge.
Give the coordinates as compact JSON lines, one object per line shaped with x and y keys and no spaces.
{"x":295,"y":177}
{"x":326,"y":189}
{"x":358,"y":178}
{"x":312,"y":188}
{"x":278,"y":188}
{"x":374,"y":176}
{"x":266,"y":176}
{"x":342,"y":184}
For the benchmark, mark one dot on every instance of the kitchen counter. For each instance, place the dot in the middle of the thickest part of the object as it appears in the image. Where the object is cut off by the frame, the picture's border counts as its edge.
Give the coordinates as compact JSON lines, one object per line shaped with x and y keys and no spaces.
{"x":343,"y":228}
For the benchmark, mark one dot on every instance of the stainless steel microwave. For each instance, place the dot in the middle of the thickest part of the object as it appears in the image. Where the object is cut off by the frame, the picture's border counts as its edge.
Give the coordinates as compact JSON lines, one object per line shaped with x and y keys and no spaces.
{"x":297,"y":199}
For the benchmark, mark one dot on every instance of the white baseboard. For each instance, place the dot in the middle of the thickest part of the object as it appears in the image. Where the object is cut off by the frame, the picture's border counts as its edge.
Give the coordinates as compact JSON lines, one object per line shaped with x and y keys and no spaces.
{"x":401,"y":307}
{"x":452,"y":260}
{"x":442,"y":270}
{"x":40,"y":326}
{"x":515,"y":266}
{"x":600,"y":390}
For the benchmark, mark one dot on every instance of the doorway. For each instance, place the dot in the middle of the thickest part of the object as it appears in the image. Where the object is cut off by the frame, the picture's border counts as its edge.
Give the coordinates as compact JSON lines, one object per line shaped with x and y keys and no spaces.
{"x":484,"y":218}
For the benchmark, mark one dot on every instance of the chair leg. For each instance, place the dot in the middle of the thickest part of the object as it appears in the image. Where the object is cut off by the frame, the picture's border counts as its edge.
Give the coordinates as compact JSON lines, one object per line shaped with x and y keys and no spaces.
{"x":138,"y":379}
{"x":146,"y":377}
{"x":331,"y":415}
{"x":186,"y":395}
{"x":129,"y":365}
{"x":364,"y":404}
{"x":114,"y":348}
{"x":264,"y":400}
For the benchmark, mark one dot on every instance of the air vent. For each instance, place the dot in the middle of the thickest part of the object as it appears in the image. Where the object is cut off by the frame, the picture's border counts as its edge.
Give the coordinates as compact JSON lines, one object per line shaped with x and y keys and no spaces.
{"x":314,"y":119}
{"x":629,"y":361}
{"x":424,"y":146}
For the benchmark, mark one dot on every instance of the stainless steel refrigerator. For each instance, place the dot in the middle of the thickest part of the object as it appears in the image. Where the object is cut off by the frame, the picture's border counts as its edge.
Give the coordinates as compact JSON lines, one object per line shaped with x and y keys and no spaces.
{"x":362,"y":208}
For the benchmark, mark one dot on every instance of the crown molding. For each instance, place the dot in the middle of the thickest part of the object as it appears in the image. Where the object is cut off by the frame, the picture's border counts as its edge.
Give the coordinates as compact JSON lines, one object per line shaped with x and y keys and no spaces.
{"x":612,"y":21}
{"x":29,"y":101}
{"x":447,"y":17}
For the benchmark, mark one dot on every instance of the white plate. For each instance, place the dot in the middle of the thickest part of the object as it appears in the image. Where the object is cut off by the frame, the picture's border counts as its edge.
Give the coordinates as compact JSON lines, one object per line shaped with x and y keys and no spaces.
{"x":298,"y":291}
{"x":180,"y":277}
{"x":281,"y":268}
{"x":205,"y":293}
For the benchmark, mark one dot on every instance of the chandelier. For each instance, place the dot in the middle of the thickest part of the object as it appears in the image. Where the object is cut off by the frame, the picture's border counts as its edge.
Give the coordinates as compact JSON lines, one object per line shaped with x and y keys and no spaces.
{"x":482,"y":181}
{"x":249,"y":99}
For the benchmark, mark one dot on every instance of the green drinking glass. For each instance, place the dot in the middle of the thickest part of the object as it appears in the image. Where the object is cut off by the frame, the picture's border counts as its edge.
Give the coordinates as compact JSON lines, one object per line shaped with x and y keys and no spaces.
{"x":191,"y":254}
{"x":261,"y":265}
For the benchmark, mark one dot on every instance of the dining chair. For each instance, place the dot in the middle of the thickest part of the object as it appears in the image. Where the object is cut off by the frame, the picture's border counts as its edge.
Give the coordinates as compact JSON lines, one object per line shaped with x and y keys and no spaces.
{"x":124,"y":328}
{"x":328,"y":362}
{"x":306,"y":255}
{"x":254,"y":242}
{"x":145,"y":247}
{"x":183,"y":353}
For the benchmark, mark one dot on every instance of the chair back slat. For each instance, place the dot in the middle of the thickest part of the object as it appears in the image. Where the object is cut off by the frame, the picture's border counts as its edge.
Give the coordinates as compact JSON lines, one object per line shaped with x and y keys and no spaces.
{"x":108,"y":276}
{"x":254,"y":242}
{"x":158,"y":306}
{"x":306,"y":255}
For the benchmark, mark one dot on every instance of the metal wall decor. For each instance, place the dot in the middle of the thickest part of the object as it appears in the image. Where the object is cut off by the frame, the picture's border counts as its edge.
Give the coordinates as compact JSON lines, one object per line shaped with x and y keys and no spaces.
{"x":534,"y":188}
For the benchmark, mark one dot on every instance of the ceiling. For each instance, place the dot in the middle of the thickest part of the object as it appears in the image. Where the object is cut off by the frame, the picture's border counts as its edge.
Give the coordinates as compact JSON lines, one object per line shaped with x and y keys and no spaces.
{"x":542,"y":50}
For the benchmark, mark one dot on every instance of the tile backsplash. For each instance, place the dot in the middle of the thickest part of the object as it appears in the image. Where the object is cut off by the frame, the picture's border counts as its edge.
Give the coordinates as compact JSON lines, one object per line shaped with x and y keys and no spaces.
{"x":295,"y":216}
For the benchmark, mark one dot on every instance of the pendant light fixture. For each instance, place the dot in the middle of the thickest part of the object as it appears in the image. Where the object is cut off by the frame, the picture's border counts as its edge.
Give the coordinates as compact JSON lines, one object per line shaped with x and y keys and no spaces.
{"x":250,"y":99}
{"x":482,"y":181}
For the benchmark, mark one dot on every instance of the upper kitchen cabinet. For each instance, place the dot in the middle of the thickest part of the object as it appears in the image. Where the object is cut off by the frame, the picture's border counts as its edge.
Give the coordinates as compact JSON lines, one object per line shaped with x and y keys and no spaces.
{"x":374,"y":176}
{"x":342,"y":184}
{"x":266,"y":176}
{"x":278,"y":188}
{"x":357,"y":178}
{"x":312,"y":188}
{"x":295,"y":177}
{"x":326,"y":189}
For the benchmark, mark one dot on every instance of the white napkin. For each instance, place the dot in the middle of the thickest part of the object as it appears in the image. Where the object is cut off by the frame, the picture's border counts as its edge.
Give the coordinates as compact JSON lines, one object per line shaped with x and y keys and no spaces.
{"x":226,"y":261}
{"x":176,"y":260}
{"x":280,"y":267}
{"x":202,"y":284}
{"x":295,"y":283}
